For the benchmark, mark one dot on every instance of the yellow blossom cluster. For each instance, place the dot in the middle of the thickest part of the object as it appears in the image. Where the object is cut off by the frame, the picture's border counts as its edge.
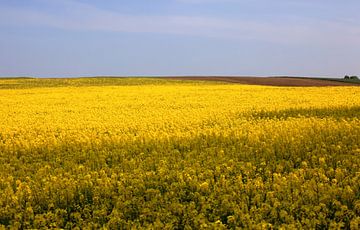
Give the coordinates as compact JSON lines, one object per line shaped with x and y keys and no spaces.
{"x":151,"y":153}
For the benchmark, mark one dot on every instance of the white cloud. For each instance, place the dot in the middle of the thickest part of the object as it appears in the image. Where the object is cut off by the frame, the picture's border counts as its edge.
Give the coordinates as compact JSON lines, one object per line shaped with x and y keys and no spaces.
{"x":206,"y":1}
{"x":79,"y":16}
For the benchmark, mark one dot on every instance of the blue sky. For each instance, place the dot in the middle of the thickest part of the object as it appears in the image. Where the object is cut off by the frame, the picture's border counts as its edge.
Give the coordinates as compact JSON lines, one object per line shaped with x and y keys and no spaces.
{"x":63,"y":38}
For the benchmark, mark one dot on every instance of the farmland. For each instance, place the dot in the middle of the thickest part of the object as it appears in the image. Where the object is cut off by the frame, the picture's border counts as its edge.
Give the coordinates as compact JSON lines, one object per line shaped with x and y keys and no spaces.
{"x":155,"y":153}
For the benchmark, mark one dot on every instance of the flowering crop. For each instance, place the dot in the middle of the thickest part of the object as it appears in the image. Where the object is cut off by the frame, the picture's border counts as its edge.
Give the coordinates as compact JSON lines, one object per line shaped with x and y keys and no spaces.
{"x":150,"y":153}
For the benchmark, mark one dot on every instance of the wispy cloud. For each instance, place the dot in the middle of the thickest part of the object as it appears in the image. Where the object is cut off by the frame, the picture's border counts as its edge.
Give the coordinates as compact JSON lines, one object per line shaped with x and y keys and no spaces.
{"x":206,"y":1}
{"x":80,"y":16}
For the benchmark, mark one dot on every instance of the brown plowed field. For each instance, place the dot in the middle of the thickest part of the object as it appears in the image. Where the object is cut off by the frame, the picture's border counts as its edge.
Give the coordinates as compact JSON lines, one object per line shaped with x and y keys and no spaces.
{"x":271,"y":81}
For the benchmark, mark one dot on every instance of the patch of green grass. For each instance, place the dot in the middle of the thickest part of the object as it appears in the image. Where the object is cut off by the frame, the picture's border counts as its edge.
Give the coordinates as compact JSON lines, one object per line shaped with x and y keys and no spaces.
{"x":25,"y":83}
{"x":353,"y":81}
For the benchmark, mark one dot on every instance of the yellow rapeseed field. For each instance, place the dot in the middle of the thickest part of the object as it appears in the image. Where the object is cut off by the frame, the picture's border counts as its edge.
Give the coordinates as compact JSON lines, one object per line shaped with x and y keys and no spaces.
{"x":149,"y":153}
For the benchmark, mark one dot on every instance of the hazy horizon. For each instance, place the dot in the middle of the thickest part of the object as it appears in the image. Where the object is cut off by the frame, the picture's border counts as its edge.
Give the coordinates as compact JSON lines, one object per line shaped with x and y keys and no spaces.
{"x":78,"y":38}
{"x":166,"y":76}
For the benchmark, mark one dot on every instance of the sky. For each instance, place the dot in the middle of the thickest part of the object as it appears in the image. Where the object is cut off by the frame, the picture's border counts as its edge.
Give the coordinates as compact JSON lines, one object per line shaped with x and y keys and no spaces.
{"x":73,"y":38}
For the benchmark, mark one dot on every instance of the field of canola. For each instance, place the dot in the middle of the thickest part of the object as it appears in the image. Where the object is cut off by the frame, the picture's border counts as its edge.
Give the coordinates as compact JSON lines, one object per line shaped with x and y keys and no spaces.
{"x":158,"y":154}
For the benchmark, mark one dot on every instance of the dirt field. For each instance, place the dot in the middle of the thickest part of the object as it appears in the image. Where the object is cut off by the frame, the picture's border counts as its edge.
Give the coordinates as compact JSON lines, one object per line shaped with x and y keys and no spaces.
{"x":271,"y":81}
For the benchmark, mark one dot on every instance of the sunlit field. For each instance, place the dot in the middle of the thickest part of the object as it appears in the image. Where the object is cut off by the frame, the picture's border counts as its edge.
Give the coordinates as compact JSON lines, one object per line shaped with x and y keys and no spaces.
{"x":165,"y":154}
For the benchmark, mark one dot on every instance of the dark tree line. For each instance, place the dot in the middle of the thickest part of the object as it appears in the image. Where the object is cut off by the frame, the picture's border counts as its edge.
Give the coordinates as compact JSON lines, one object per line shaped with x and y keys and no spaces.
{"x":347,"y":77}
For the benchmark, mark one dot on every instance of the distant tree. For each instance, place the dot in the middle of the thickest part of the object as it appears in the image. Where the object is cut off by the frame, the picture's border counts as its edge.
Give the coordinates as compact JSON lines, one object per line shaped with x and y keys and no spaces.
{"x":354,"y":78}
{"x":346,"y":77}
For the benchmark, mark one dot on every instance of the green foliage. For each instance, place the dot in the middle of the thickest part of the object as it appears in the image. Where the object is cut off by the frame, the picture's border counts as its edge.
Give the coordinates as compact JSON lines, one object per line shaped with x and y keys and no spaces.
{"x":352,"y":79}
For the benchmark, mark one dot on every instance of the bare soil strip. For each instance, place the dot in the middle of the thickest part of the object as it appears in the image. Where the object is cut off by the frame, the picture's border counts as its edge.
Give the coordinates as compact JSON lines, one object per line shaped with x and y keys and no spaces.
{"x":271,"y":81}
